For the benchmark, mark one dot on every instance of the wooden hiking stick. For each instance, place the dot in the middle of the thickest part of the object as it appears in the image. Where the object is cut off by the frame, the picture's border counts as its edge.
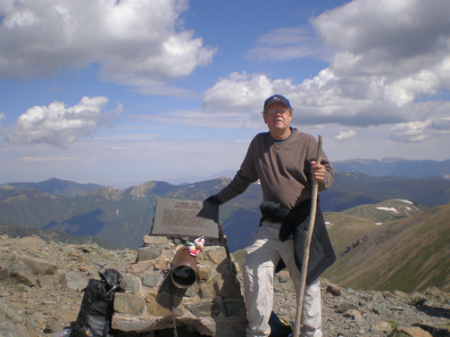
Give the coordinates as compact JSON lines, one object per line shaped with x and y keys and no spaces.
{"x":312,"y":219}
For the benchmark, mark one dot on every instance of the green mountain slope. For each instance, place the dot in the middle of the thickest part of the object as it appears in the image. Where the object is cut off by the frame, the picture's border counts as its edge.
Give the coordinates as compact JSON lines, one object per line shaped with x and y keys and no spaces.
{"x":407,"y":254}
{"x":346,"y":230}
{"x":388,"y":210}
{"x":32,"y":208}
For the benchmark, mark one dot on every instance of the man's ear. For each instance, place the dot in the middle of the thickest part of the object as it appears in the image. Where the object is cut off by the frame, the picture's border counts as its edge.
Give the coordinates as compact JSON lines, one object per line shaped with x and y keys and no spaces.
{"x":292,"y":115}
{"x":265,"y":118}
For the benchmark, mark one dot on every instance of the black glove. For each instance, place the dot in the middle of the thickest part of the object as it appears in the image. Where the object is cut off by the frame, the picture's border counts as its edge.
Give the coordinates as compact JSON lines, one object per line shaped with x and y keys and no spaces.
{"x":214,"y":200}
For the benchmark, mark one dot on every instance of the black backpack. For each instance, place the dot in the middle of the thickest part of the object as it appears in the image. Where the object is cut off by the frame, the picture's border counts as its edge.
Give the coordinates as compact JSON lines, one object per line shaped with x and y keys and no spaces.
{"x":97,"y":307}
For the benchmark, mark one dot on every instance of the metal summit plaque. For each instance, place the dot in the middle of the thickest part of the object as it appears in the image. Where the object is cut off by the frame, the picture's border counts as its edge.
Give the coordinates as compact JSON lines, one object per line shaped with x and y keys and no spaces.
{"x":177,"y":217}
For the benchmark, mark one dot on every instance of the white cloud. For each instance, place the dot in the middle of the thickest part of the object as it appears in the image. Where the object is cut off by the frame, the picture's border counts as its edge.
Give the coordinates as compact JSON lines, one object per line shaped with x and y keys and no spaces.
{"x":402,"y":45}
{"x":205,"y":119}
{"x":404,"y":91}
{"x":391,"y":58}
{"x":46,"y":159}
{"x":241,"y":92}
{"x":288,"y":43}
{"x":315,"y":101}
{"x":137,"y":43}
{"x":124,"y":148}
{"x":58,"y":125}
{"x":2,"y":117}
{"x":343,"y":135}
{"x":418,"y":131}
{"x":411,"y":131}
{"x":383,"y":28}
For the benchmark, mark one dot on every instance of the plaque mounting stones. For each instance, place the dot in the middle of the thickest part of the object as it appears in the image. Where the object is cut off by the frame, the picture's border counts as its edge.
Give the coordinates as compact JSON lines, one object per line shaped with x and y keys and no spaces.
{"x":178,"y":217}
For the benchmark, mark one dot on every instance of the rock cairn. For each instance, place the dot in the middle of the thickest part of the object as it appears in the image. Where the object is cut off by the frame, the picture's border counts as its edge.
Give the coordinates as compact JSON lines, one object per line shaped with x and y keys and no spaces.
{"x":41,"y":283}
{"x":212,"y":305}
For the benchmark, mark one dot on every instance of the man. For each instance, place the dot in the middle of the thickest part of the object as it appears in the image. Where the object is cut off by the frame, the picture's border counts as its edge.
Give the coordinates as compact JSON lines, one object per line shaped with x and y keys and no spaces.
{"x":283,"y":159}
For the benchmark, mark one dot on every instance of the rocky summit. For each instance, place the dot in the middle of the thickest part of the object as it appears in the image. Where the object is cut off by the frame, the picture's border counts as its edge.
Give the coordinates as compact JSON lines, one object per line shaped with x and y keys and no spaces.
{"x":41,"y":286}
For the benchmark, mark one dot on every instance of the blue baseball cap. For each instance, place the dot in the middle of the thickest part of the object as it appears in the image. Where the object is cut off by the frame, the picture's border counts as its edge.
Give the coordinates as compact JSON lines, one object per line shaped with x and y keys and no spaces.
{"x":277,"y":99}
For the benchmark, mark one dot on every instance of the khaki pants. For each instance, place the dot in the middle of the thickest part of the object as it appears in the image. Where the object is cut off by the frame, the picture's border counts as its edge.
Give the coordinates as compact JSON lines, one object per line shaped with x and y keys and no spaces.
{"x":261,"y":260}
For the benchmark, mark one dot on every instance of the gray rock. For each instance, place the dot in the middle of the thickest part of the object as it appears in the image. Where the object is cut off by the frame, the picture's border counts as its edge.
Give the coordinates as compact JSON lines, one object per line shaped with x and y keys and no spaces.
{"x":46,"y":282}
{"x":151,"y":279}
{"x":39,"y":266}
{"x":10,"y":312}
{"x":129,"y":303}
{"x":416,"y":299}
{"x":344,"y":307}
{"x":51,"y":326}
{"x":17,"y":274}
{"x":205,"y":309}
{"x":155,"y":240}
{"x":384,"y":312}
{"x":35,"y":321}
{"x":9,"y":329}
{"x":129,"y":283}
{"x":191,"y":291}
{"x":73,"y":280}
{"x":150,"y":252}
{"x":334,"y":289}
{"x":356,"y":316}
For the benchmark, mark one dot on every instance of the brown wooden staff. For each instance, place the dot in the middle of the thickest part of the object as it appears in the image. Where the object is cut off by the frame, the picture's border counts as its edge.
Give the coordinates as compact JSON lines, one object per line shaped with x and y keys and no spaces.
{"x":312,"y":219}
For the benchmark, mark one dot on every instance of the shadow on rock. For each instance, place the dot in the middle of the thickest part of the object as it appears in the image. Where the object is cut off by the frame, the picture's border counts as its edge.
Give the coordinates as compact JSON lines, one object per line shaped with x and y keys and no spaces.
{"x":435,"y":332}
{"x":435,"y":312}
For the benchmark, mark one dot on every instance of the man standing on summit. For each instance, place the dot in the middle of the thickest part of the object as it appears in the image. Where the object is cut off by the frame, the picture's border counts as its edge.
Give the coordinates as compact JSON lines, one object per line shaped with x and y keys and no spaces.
{"x":283,"y":159}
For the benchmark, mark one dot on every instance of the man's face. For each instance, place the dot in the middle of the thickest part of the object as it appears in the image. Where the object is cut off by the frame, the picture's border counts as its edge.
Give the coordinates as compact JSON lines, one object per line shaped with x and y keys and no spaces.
{"x":277,"y":122}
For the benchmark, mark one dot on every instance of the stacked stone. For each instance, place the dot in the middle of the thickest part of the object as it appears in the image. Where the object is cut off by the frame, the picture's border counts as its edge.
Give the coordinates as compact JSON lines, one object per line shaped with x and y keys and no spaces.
{"x":213,"y":305}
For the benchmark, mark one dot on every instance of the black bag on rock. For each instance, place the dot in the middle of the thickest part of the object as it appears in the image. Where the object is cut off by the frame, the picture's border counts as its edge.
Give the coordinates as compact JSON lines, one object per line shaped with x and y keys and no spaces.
{"x":94,"y":318}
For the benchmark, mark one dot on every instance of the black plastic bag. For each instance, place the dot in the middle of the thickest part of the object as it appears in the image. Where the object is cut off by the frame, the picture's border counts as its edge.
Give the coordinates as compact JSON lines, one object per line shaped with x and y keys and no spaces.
{"x":97,"y":306}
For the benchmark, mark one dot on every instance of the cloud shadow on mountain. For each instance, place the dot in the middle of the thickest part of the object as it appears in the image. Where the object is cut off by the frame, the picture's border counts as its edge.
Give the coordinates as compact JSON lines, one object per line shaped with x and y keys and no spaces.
{"x":87,"y":224}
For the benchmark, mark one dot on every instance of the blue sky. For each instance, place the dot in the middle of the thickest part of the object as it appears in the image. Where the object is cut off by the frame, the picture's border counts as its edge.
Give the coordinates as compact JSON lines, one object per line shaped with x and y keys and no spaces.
{"x":120,"y":92}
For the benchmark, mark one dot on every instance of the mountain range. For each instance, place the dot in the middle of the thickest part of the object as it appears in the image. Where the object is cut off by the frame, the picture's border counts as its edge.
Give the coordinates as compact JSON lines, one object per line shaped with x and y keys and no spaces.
{"x":395,"y":167}
{"x":125,"y":216}
{"x":370,"y":219}
{"x":383,"y":167}
{"x":59,"y":187}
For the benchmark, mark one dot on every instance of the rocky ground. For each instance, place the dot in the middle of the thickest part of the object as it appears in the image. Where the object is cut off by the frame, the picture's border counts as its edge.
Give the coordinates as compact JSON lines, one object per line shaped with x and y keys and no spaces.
{"x":41,"y":282}
{"x":346,"y":312}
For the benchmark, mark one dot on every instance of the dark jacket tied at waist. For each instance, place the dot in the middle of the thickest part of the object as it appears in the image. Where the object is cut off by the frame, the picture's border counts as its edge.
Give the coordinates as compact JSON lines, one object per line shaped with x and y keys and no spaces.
{"x":295,"y":222}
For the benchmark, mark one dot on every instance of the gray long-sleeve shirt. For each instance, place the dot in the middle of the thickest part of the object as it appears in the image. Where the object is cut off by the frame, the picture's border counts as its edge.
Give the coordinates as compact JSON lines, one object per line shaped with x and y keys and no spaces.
{"x":284,"y":169}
